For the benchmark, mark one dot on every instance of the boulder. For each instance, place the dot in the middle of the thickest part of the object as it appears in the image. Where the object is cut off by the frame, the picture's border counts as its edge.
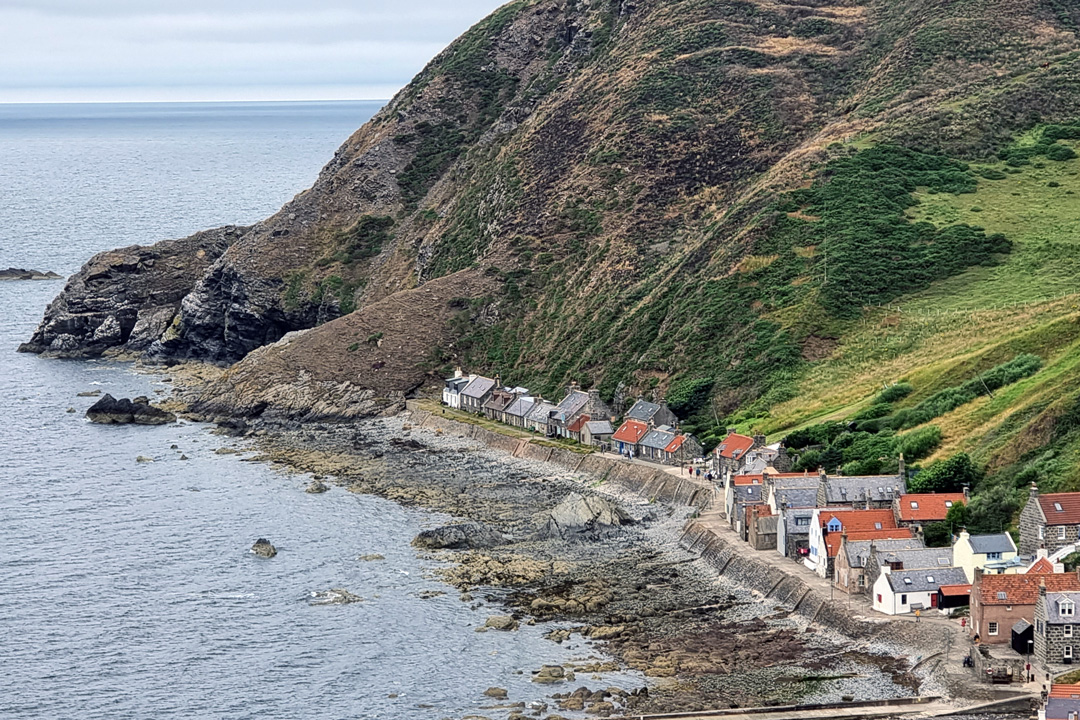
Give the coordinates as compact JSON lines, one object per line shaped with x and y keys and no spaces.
{"x":465,"y":536}
{"x":501,"y":622}
{"x":583,"y":517}
{"x":263,"y":548}
{"x":334,"y":596}
{"x":110,"y":411}
{"x":495,"y":692}
{"x":371,"y":557}
{"x":549,"y":674}
{"x":316,"y":486}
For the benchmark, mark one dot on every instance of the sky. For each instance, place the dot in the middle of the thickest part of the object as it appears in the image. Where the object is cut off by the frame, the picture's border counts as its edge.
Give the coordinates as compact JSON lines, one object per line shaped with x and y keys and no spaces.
{"x":190,"y":50}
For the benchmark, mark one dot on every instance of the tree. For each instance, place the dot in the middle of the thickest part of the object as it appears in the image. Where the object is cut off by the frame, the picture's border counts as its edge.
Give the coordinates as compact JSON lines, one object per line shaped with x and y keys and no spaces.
{"x":937,"y":535}
{"x":957,"y":517}
{"x":950,"y":475}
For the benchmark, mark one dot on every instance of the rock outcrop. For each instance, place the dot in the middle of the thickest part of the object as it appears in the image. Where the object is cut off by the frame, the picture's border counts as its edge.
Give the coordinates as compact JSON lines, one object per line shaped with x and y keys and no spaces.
{"x":125,"y":299}
{"x":583,"y":517}
{"x":21,"y":274}
{"x":110,"y":411}
{"x":263,"y":548}
{"x":334,"y":596}
{"x":466,"y":536}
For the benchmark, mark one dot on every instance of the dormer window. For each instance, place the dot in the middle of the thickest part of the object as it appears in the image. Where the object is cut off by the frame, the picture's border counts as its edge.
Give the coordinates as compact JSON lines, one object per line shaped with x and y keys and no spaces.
{"x":834,"y":525}
{"x":1066,"y":608}
{"x":914,"y":505}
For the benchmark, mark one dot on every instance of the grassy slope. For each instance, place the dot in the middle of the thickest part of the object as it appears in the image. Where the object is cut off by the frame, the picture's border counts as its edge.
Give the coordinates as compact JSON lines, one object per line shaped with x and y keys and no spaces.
{"x":941,"y":336}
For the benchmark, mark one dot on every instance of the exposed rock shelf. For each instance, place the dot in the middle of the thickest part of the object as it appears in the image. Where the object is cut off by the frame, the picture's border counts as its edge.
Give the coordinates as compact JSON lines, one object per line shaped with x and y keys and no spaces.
{"x":22,"y":274}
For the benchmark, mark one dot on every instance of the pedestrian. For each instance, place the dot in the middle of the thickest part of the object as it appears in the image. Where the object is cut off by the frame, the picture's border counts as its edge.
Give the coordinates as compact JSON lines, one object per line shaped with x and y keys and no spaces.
{"x":918,"y":614}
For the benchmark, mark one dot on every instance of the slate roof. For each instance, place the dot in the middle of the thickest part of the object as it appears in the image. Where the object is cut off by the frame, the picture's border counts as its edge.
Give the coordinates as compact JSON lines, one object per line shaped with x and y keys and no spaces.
{"x":734,"y":446}
{"x":794,"y":480}
{"x":499,"y":401}
{"x":540,"y":412}
{"x":599,"y":427}
{"x":571,"y":405}
{"x":794,"y":528}
{"x":1069,"y":514}
{"x":643,"y":410}
{"x":797,"y":497}
{"x":1021,"y":626}
{"x":858,"y":552}
{"x":832,"y":540}
{"x":455,"y":384}
{"x":479,"y":387}
{"x":1053,"y":607}
{"x":844,"y":488}
{"x":927,"y":506}
{"x":767,"y":524}
{"x":1023,"y":589}
{"x":521,"y":407}
{"x":998,"y":542}
{"x":657,"y":439}
{"x":748,"y":494}
{"x":926,"y":580}
{"x":631,"y":432}
{"x":915,"y":558}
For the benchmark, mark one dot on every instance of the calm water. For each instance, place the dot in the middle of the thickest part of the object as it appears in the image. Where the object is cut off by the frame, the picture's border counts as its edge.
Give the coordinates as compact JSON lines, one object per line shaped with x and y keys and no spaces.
{"x":126,"y":588}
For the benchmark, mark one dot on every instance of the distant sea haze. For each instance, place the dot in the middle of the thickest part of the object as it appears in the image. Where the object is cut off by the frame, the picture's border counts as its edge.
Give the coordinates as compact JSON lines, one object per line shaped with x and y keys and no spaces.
{"x":126,"y":588}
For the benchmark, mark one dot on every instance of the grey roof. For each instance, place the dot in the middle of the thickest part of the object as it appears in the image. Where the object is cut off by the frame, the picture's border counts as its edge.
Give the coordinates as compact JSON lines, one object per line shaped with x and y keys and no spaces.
{"x":457,"y":383}
{"x":858,"y":551}
{"x":843,"y":489}
{"x":1053,"y":608}
{"x":918,"y":557}
{"x":797,"y":497}
{"x":643,"y":411}
{"x":925,"y":580}
{"x":746,"y":494}
{"x":795,"y":483}
{"x":657,"y":439}
{"x":1059,"y":708}
{"x":571,"y":405}
{"x":521,"y":407}
{"x":998,"y":542}
{"x":478,"y":387}
{"x":540,"y":412}
{"x":789,"y":520}
{"x":599,"y":427}
{"x":767,"y":525}
{"x":1020,"y":626}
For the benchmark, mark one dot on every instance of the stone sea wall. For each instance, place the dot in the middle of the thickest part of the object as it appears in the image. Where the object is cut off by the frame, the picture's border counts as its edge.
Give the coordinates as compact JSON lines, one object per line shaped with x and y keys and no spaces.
{"x":654,"y":484}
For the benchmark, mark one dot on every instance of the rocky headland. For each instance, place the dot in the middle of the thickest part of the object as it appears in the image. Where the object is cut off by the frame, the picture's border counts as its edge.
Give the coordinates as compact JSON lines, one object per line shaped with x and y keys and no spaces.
{"x":24,"y":274}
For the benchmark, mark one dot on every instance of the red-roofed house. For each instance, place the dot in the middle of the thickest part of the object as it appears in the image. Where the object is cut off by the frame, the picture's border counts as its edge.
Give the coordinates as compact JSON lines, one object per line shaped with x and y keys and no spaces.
{"x":829,"y":524}
{"x":1000,"y":601}
{"x":627,"y":438}
{"x":1043,"y":566}
{"x":917,"y":509}
{"x":953,"y":596}
{"x":1063,"y":703}
{"x":731,"y":451}
{"x":574,"y":428}
{"x":747,"y":479}
{"x":1049,"y":521}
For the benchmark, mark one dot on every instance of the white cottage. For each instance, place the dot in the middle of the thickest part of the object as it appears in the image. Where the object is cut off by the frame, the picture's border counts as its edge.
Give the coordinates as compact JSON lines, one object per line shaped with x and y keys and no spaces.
{"x":898,"y":592}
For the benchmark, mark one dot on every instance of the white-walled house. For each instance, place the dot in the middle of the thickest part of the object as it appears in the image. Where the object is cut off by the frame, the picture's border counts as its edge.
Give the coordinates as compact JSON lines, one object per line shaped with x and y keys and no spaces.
{"x":898,"y":592}
{"x":451,"y":394}
{"x":995,"y":554}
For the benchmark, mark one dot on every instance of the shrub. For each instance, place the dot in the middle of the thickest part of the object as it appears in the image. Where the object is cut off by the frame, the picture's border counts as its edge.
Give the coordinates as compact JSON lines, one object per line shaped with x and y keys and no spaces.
{"x":992,"y":174}
{"x":950,"y":475}
{"x":1060,"y":152}
{"x":918,"y":444}
{"x":895,"y":392}
{"x":937,"y":535}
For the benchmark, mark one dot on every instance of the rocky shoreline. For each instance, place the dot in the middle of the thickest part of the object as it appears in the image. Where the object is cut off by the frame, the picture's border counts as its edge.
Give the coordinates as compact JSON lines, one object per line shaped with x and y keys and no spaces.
{"x":698,"y":641}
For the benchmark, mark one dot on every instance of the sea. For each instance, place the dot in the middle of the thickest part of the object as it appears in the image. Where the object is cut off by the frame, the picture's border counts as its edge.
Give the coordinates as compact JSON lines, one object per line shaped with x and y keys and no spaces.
{"x":127,"y":587}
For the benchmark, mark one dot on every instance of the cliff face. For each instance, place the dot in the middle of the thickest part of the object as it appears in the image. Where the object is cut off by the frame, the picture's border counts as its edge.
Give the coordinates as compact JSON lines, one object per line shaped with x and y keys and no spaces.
{"x":689,"y":198}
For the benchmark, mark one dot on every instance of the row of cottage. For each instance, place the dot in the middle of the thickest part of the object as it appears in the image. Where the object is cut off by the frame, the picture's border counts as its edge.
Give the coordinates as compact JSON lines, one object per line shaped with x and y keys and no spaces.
{"x":865,"y":534}
{"x":648,"y":431}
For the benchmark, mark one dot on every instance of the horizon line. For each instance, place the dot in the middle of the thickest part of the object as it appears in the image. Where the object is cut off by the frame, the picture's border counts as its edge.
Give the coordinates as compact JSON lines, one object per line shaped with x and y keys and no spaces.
{"x":187,"y":102}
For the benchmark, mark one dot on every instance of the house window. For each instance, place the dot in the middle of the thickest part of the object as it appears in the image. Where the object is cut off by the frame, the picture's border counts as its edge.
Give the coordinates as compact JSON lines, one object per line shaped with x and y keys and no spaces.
{"x":1057,"y":506}
{"x":903,"y":599}
{"x":930,"y":579}
{"x":914,"y":505}
{"x":993,"y":556}
{"x":877,"y":526}
{"x":802,"y":521}
{"x":1067,"y":652}
{"x":948,"y":504}
{"x":1038,"y":626}
{"x":1002,"y":595}
{"x":834,"y":525}
{"x":862,"y":581}
{"x":1041,"y":532}
{"x":1066,"y":608}
{"x":1066,"y":631}
{"x":1061,"y":533}
{"x":992,"y":628}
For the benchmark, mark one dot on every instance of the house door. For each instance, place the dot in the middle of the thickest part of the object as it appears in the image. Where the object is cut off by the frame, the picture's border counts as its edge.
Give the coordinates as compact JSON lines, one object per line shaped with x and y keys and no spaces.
{"x":933,"y":600}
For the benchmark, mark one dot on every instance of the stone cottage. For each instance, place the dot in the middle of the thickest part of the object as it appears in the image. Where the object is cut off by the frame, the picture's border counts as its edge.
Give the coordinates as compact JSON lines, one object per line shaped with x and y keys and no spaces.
{"x":1049,"y":521}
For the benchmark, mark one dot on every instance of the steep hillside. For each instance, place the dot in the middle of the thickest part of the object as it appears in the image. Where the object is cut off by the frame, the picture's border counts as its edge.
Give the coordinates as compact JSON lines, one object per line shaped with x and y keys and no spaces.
{"x":711,"y":201}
